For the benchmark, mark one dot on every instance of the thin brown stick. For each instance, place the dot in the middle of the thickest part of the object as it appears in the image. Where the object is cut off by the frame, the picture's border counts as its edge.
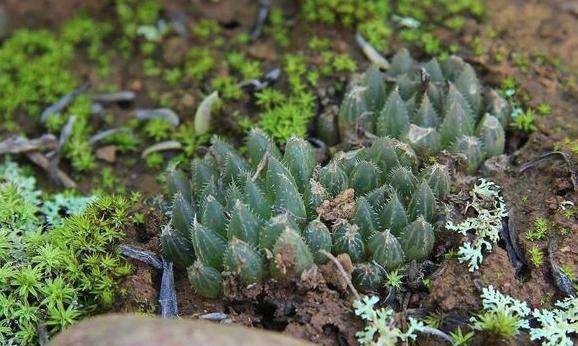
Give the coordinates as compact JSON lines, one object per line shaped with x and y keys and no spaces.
{"x":342,"y":272}
{"x":18,"y":144}
{"x":43,"y":162}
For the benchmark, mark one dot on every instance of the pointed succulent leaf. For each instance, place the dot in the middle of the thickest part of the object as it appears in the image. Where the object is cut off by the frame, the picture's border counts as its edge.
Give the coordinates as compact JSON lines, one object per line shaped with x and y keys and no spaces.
{"x":401,"y":63}
{"x":206,"y":281}
{"x":232,"y":195}
{"x":256,"y":199}
{"x":211,"y":189}
{"x":411,"y":105}
{"x":201,"y":175}
{"x":243,"y":224}
{"x":326,"y":128}
{"x":422,"y":203}
{"x":417,"y":239}
{"x":300,"y":159}
{"x":367,"y":277}
{"x":176,"y":248}
{"x":291,"y":256}
{"x":383,"y":153}
{"x":403,"y":180}
{"x":177,"y":182}
{"x":354,"y":112}
{"x":258,"y":143}
{"x":499,"y":107}
{"x":434,"y":70}
{"x":243,"y":260}
{"x":472,"y":151}
{"x":209,"y":246}
{"x":275,"y":168}
{"x":285,"y":194}
{"x":436,"y":96}
{"x":469,"y":86}
{"x":377,"y":198}
{"x":405,"y":154}
{"x":393,"y":215}
{"x":426,"y":115}
{"x":364,"y":177}
{"x":234,"y":168}
{"x":492,"y":135}
{"x":348,"y":240}
{"x":318,"y":238}
{"x":182,"y":215}
{"x":374,"y":79}
{"x":386,"y":250}
{"x":438,"y":178}
{"x":213,"y":216}
{"x":455,"y":96}
{"x":348,"y":160}
{"x":456,"y":123}
{"x":452,"y":67}
{"x":393,"y":120}
{"x":222,"y":150}
{"x":233,"y":165}
{"x":333,"y":178}
{"x":273,"y":228}
{"x":365,"y":218}
{"x":407,"y":87}
{"x":314,"y":196}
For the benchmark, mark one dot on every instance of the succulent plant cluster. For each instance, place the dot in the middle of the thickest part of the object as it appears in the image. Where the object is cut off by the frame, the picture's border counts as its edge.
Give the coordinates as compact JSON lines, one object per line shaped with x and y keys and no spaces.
{"x":433,"y":106}
{"x":273,"y":213}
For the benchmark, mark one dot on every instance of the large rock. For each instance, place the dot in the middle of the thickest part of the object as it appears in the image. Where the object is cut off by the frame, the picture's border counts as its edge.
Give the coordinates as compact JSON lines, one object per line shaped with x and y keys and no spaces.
{"x":129,"y":330}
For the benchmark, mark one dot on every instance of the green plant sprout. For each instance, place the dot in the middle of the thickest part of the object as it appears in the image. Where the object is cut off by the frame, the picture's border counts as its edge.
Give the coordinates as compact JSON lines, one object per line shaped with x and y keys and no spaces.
{"x":394,"y":279}
{"x":536,"y":256}
{"x":539,"y":231}
{"x":544,"y":109}
{"x":461,"y":339}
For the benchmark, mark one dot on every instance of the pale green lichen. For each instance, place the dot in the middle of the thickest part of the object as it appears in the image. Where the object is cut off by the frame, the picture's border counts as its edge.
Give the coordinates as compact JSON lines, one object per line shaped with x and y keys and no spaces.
{"x":558,"y":324}
{"x":484,"y":228}
{"x":380,"y":326}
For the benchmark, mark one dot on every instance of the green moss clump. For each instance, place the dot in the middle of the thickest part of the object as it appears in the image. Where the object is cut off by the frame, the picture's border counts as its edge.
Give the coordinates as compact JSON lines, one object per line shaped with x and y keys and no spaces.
{"x":34,"y":73}
{"x":53,"y":268}
{"x":414,"y":21}
{"x":288,"y":115}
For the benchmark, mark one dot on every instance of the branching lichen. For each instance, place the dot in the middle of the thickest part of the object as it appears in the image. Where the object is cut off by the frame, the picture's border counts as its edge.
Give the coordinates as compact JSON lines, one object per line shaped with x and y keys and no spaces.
{"x":558,"y":324}
{"x":483,"y":228}
{"x":502,"y":314}
{"x":380,"y":328}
